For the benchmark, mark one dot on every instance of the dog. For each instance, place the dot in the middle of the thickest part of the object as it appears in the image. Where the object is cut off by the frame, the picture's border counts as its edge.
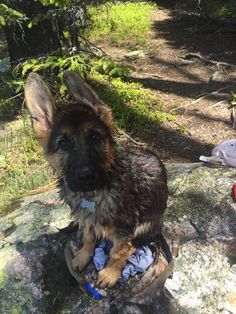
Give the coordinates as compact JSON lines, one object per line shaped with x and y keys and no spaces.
{"x":127,"y":184}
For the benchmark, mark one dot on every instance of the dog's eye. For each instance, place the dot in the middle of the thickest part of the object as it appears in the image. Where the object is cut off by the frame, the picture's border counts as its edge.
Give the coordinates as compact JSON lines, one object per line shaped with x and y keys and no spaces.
{"x":95,"y":137}
{"x":63,"y":143}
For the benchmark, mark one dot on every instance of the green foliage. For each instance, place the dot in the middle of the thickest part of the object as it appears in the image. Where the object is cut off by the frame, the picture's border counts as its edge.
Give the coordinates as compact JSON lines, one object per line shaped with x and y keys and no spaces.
{"x":65,"y":15}
{"x":2,"y":21}
{"x":52,"y":65}
{"x":129,"y":101}
{"x":56,"y":65}
{"x":7,"y":15}
{"x":110,"y":68}
{"x":233,"y":100}
{"x":36,"y":19}
{"x":123,"y":24}
{"x":57,"y":3}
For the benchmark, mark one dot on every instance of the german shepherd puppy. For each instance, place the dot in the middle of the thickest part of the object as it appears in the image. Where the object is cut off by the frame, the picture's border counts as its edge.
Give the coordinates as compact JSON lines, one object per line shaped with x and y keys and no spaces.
{"x":127,"y":184}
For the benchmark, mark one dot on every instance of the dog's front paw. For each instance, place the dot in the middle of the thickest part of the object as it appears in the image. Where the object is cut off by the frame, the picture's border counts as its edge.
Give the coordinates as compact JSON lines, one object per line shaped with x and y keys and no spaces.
{"x":108,"y":277}
{"x":81,"y":259}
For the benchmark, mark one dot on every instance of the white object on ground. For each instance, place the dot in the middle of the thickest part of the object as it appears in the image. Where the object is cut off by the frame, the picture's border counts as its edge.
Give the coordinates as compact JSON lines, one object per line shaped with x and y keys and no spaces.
{"x":224,"y":153}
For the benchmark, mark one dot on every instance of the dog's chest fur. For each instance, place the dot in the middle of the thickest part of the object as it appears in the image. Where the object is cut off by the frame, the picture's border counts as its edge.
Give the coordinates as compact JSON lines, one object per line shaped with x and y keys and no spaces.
{"x":135,"y":199}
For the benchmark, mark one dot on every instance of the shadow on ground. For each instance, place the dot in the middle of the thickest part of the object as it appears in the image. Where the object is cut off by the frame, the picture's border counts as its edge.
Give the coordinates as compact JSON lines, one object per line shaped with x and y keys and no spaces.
{"x":170,"y":144}
{"x":179,"y":76}
{"x":208,"y":36}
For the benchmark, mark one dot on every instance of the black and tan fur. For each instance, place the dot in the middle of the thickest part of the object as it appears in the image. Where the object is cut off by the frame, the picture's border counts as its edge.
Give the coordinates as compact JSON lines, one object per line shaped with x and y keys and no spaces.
{"x":128,"y":184}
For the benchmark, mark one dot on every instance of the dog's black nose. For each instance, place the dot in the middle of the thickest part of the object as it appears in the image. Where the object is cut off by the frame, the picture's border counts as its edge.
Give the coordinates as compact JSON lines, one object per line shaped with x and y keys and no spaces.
{"x":81,"y":178}
{"x":84,"y":172}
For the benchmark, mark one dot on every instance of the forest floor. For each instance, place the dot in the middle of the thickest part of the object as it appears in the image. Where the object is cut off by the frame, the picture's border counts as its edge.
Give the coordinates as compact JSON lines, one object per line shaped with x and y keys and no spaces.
{"x":190,"y":63}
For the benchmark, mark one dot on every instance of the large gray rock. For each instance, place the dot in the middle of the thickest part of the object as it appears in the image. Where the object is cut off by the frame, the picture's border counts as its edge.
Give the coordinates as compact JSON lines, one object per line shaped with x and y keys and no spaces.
{"x":33,"y":275}
{"x":201,"y":213}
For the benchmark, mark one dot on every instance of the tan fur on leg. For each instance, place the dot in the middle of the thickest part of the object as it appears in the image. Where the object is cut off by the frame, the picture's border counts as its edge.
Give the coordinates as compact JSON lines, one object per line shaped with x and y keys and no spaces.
{"x":83,"y":256}
{"x":120,"y":252}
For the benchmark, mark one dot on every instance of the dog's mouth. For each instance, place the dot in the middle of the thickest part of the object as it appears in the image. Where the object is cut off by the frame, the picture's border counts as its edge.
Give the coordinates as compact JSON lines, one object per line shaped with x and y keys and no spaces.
{"x":96,"y":180}
{"x":82,"y":185}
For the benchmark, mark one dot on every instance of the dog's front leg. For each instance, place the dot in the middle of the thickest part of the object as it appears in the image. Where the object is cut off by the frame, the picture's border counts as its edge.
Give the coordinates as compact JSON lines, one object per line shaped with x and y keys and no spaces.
{"x":83,"y":256}
{"x":119,"y":254}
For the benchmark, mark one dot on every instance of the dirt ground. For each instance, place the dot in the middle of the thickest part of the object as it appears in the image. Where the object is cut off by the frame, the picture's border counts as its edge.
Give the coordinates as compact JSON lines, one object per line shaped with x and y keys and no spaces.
{"x":190,"y":62}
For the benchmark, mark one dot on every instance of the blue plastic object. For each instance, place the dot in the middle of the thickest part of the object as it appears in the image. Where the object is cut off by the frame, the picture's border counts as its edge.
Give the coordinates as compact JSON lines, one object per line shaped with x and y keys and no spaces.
{"x":92,"y":291}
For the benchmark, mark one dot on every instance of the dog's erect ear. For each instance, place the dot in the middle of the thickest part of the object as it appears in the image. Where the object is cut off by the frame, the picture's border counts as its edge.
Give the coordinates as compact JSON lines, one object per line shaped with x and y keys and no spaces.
{"x":86,"y":96}
{"x":40,"y":103}
{"x":81,"y":91}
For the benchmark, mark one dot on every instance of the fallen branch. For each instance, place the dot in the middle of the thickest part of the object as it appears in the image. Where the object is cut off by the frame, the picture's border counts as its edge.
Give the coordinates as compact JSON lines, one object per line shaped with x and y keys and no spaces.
{"x":204,"y":96}
{"x":93,"y":49}
{"x":232,"y":117}
{"x":192,"y":55}
{"x":130,"y":138}
{"x":17,"y":95}
{"x":219,"y":103}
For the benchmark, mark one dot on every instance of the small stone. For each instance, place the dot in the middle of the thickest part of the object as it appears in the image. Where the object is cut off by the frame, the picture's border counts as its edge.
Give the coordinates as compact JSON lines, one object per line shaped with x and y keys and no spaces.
{"x":135,"y":54}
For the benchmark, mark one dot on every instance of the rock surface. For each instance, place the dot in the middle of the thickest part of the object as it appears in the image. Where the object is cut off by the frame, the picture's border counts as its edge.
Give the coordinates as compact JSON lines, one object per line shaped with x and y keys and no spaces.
{"x":201,"y":213}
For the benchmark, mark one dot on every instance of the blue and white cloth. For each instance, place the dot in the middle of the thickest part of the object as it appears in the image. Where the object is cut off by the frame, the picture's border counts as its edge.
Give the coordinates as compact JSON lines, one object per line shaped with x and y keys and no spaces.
{"x":138,"y":262}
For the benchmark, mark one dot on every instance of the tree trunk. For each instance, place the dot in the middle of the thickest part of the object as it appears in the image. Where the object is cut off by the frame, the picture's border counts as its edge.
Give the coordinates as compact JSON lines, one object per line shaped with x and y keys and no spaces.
{"x":24,"y":42}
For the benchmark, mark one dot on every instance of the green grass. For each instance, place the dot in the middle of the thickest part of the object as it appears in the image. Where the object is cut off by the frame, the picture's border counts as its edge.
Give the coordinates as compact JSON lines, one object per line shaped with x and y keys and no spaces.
{"x":121,"y":24}
{"x":22,"y":165}
{"x":133,"y":106}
